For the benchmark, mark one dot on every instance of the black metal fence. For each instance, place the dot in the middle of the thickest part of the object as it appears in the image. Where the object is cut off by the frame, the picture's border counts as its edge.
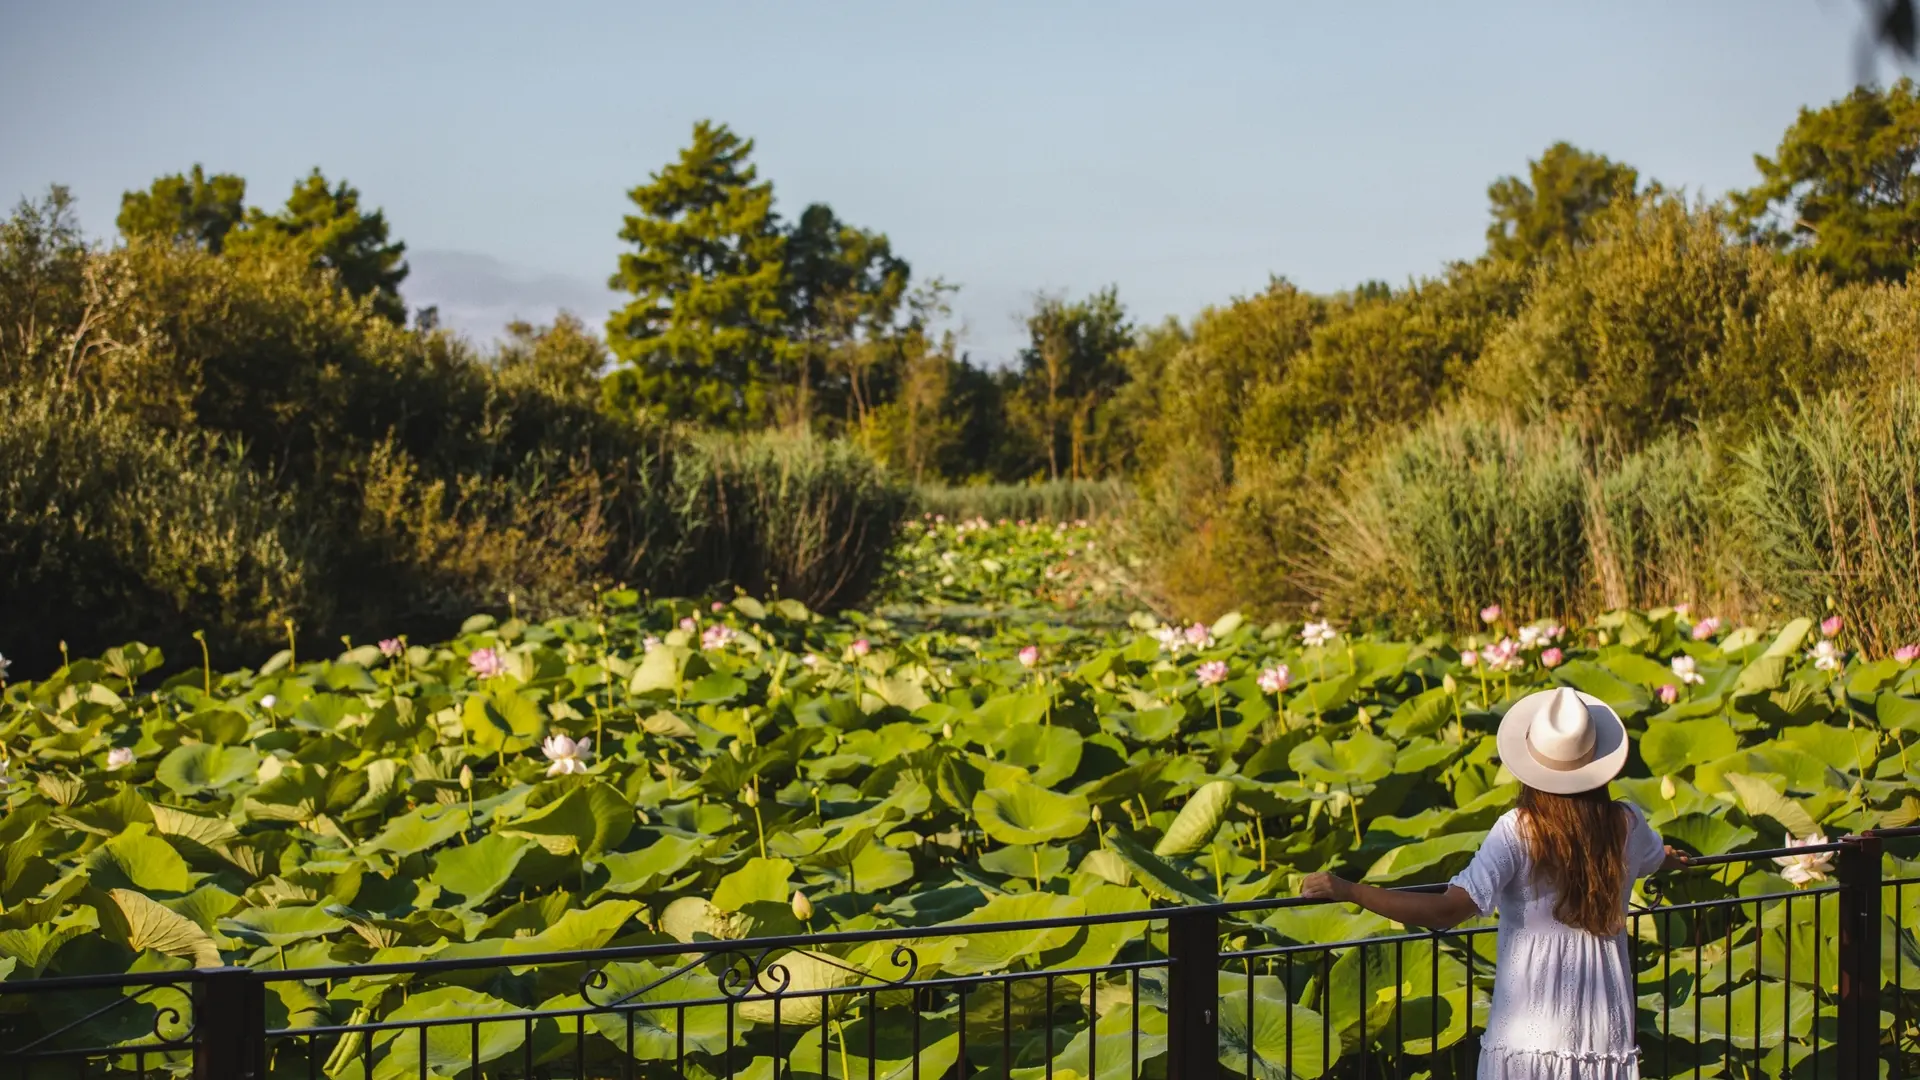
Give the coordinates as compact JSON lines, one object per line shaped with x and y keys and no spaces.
{"x":1806,"y":982}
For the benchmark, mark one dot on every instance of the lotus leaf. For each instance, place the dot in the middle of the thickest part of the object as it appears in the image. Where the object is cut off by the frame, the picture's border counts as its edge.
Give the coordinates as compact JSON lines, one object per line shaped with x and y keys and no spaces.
{"x":1669,"y":747}
{"x":449,"y":1048}
{"x":1360,"y":758}
{"x":1030,"y":814}
{"x":759,"y":879}
{"x":195,"y":767}
{"x":1198,"y":820}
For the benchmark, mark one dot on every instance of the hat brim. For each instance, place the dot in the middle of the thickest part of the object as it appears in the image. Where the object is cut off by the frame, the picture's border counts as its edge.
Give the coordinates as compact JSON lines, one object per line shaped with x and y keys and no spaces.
{"x":1609,"y":747}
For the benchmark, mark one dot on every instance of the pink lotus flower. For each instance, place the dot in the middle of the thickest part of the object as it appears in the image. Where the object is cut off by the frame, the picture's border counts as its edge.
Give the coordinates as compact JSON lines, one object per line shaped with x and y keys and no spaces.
{"x":486,"y":663}
{"x":1669,"y":693}
{"x":1706,"y":628}
{"x":1682,"y":609}
{"x":1550,"y":657}
{"x":689,"y":624}
{"x":1211,"y":673}
{"x":717,"y":607}
{"x":1907,"y":654}
{"x":1687,"y":670}
{"x":1490,"y":614}
{"x":939,"y":519}
{"x":719,"y":635}
{"x":649,"y":643}
{"x":1275,"y":679}
{"x":390,"y":647}
{"x":1830,"y":626}
{"x":1470,"y":658}
{"x":1029,"y":656}
{"x":862,"y":647}
{"x":1199,"y":636}
{"x":1503,"y":655}
{"x":566,"y":755}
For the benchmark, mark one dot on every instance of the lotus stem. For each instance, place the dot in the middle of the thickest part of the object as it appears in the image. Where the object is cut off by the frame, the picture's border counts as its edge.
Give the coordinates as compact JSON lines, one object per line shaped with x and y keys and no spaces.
{"x":1036,"y":868}
{"x":293,"y":655}
{"x":206,"y":661}
{"x":1260,"y":829}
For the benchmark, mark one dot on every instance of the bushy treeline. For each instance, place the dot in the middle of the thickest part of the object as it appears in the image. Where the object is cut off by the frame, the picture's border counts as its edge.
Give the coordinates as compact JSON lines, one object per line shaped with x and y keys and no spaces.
{"x":1630,"y":398}
{"x":236,"y":441}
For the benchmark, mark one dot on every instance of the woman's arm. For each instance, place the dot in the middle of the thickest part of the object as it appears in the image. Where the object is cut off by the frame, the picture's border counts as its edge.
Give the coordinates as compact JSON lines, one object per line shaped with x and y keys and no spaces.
{"x":1438,"y":911}
{"x":1675,"y":860}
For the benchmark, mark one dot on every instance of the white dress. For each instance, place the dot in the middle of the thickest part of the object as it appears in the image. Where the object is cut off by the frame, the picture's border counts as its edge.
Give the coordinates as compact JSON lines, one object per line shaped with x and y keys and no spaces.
{"x":1563,"y":1004}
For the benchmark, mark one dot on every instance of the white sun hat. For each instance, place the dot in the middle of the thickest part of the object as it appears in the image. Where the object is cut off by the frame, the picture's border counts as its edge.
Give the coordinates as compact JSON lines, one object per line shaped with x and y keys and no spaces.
{"x":1562,"y":741}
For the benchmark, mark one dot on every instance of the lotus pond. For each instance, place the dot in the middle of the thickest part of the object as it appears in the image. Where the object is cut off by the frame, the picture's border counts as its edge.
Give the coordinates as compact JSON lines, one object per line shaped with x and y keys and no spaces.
{"x":669,"y":770}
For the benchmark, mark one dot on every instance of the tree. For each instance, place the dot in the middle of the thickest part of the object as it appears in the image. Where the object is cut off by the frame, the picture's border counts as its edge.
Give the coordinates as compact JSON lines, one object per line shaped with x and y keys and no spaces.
{"x":192,"y":209}
{"x":704,"y":336}
{"x":844,"y":288}
{"x":327,"y":226}
{"x":1550,"y":210}
{"x":1843,"y":190}
{"x":565,"y":359}
{"x":1070,"y":367}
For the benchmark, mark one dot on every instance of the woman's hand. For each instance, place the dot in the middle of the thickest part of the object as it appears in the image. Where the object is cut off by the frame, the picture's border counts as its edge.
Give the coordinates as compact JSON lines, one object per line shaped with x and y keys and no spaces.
{"x":1676,"y":859}
{"x":1324,"y":886}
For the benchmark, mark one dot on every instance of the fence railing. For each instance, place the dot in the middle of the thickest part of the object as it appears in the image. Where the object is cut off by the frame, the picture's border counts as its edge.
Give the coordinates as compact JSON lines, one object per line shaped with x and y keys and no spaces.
{"x":1808,"y":981}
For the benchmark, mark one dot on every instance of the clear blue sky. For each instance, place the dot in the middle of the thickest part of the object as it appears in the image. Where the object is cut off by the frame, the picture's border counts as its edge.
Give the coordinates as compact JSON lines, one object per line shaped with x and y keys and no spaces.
{"x":1180,"y":151}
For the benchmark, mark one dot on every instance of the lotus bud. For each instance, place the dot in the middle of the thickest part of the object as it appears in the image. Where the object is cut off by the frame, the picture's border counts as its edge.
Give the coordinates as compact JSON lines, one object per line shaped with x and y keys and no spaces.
{"x":750,"y":796}
{"x":1451,"y":686}
{"x":1365,"y":720}
{"x":1666,"y":788}
{"x":946,"y":731}
{"x":802,"y":907}
{"x":641,"y":816}
{"x":1096,"y":815}
{"x":734,"y":749}
{"x":466,"y":778}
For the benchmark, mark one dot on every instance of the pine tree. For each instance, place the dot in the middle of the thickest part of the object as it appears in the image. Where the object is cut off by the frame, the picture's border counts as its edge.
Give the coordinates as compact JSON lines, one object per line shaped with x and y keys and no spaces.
{"x":193,"y":209}
{"x":704,"y":337}
{"x":327,"y":224}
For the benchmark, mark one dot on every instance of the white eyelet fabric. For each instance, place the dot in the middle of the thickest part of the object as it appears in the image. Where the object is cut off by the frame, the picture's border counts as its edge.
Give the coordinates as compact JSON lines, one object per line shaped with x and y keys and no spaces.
{"x":1563,"y":1005}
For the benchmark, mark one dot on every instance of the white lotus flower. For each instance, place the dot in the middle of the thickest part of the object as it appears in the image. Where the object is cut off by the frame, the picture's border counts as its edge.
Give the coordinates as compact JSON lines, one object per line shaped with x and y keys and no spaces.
{"x":1801,"y":869}
{"x":4,"y":778}
{"x":1170,"y":638}
{"x":567,"y":756}
{"x":1529,"y":636}
{"x":4,"y":665}
{"x":1826,"y":656}
{"x":1687,"y":670}
{"x":119,"y":758}
{"x":1317,"y":633}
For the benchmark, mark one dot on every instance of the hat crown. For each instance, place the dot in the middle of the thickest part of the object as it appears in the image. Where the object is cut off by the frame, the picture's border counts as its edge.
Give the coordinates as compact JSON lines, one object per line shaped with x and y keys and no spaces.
{"x":1563,"y":731}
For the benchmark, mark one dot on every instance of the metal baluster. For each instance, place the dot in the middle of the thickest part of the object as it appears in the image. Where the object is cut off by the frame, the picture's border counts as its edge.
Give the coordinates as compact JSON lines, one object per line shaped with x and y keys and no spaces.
{"x":1759,"y":979}
{"x":1362,"y":1005}
{"x":528,"y":1043}
{"x":1249,"y":1033}
{"x":1006,"y":1027}
{"x":473,"y":1058}
{"x":1399,"y":979}
{"x":626,"y":1070}
{"x":1287,"y":996}
{"x":873,"y":1028}
{"x":680,"y":1041}
{"x":423,"y":1051}
{"x":960,"y":1059}
{"x":1135,"y":1073}
{"x":1697,"y":980}
{"x":1093,"y":1027}
{"x":1726,"y":1009}
{"x":1819,"y":978}
{"x":1047,"y":989}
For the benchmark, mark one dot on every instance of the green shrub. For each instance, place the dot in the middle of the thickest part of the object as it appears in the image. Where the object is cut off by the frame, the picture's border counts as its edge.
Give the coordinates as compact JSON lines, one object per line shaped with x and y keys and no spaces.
{"x":786,"y":515}
{"x":1828,"y":506}
{"x":112,"y":532}
{"x":1463,"y":512}
{"x":1050,"y":500}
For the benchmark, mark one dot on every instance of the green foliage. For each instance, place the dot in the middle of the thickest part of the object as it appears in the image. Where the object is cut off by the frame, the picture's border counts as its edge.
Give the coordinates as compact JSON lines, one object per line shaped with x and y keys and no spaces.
{"x":224,"y":442}
{"x":703,"y":337}
{"x":1842,"y":192}
{"x":331,"y":812}
{"x":194,"y":209}
{"x":1054,"y":500}
{"x":807,"y":518}
{"x":1069,"y":370}
{"x":326,"y":227}
{"x":113,"y":531}
{"x":1827,"y":509}
{"x":1553,"y":209}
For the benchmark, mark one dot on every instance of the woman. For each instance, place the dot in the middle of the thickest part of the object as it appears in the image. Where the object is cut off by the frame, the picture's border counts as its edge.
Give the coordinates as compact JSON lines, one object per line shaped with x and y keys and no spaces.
{"x":1558,"y":870}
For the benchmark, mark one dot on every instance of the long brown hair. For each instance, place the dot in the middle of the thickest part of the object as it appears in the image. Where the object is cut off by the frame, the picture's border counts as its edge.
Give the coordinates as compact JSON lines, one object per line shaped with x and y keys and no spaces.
{"x":1579,"y":846}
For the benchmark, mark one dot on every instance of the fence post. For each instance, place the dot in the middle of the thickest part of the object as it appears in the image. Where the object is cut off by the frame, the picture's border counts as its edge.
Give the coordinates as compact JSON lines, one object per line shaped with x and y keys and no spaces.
{"x":229,"y":1025}
{"x":1859,"y":1011}
{"x":1193,"y":994}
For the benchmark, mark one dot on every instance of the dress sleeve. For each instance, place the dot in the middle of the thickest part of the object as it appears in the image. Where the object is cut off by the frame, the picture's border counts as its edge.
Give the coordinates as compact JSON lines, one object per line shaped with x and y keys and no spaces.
{"x":1493,"y":866}
{"x":1645,"y":850}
